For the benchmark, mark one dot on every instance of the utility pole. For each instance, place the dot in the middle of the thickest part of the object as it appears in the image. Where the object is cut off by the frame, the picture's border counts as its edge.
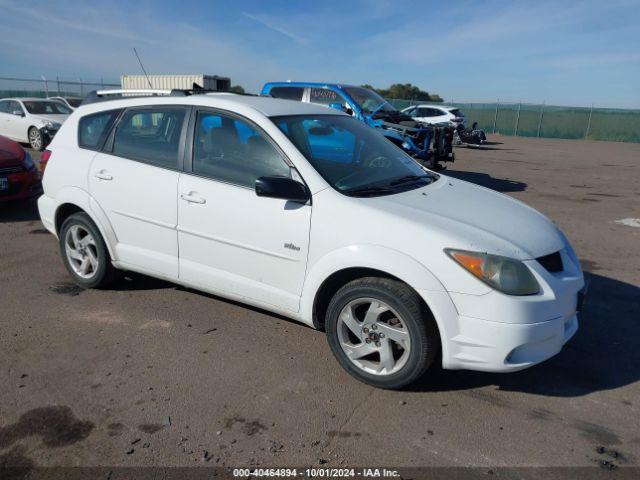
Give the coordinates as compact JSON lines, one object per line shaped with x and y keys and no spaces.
{"x":540,"y":119}
{"x":586,"y":134}
{"x":495,"y":117}
{"x":46,"y":86}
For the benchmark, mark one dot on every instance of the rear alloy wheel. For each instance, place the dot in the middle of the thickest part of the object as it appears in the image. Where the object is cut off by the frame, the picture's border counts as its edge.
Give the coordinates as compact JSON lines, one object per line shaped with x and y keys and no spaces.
{"x":84,"y":252}
{"x":36,"y":140}
{"x":381,"y":332}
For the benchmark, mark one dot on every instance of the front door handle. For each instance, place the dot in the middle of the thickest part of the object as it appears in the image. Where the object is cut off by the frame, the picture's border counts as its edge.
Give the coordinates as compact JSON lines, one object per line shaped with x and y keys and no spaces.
{"x":192,"y":197}
{"x":103,"y":175}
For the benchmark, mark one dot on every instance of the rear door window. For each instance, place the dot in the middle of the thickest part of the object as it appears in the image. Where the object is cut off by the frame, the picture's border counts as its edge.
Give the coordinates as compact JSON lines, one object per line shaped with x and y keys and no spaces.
{"x":151,"y":135}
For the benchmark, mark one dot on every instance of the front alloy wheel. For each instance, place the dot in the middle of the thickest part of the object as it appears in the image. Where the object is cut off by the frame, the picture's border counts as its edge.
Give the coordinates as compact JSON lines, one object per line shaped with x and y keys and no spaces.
{"x":373,"y":336}
{"x":381,"y":332}
{"x":36,"y":139}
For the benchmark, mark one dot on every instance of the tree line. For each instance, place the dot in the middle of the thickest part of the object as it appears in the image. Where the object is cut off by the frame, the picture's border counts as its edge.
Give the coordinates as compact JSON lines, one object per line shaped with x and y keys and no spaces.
{"x":405,"y":91}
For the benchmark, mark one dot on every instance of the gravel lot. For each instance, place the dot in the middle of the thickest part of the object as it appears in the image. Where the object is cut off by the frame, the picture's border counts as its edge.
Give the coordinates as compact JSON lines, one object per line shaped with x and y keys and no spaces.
{"x":148,"y":373}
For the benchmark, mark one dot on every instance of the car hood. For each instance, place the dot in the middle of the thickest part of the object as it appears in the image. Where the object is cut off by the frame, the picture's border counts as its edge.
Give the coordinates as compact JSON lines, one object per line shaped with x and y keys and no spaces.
{"x":462,"y":215}
{"x":51,"y":118}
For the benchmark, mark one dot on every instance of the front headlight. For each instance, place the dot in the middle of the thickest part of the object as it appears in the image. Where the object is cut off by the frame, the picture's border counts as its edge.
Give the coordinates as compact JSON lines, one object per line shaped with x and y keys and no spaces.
{"x":51,"y":125}
{"x":505,"y":274}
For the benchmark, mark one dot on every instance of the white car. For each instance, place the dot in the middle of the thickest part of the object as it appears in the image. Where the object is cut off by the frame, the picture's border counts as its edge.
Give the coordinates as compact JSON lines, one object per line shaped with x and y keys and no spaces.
{"x":312,"y":214}
{"x":71,"y":102}
{"x":31,"y":120}
{"x":432,"y":114}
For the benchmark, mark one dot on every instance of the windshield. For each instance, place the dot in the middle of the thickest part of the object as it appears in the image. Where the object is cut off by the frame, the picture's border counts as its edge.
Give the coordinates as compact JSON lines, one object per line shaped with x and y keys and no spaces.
{"x":42,"y":107}
{"x":353,"y":158}
{"x":368,"y":100}
{"x":456,"y":112}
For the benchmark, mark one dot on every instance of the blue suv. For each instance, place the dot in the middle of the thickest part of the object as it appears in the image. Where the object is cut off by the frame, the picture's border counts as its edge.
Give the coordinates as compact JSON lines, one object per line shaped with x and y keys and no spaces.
{"x":369,"y":107}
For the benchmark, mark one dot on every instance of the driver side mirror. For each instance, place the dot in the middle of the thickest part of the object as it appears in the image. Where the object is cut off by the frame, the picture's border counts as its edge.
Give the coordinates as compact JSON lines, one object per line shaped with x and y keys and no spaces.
{"x":18,"y":113}
{"x":283,"y":188}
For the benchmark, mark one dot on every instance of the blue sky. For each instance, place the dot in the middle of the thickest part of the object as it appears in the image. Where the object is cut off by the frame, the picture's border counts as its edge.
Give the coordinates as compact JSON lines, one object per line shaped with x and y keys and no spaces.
{"x":569,"y":53}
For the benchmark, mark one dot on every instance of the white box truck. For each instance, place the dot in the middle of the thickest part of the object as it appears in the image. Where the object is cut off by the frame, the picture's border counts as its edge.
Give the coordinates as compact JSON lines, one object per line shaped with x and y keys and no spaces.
{"x":168,"y":82}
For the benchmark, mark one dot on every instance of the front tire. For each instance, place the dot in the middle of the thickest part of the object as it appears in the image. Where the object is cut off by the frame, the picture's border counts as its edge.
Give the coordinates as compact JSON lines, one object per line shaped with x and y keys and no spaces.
{"x":36,"y":139}
{"x":381,"y":332}
{"x":84,"y":252}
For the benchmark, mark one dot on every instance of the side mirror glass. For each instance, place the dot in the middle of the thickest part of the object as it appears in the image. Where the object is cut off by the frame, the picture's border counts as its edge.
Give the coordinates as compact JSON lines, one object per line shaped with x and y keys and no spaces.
{"x":18,"y":113}
{"x":283,"y":188}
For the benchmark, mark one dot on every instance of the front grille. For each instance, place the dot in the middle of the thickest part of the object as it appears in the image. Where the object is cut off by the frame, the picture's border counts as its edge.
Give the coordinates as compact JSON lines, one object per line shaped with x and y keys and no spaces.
{"x":12,"y":169}
{"x":552,"y":263}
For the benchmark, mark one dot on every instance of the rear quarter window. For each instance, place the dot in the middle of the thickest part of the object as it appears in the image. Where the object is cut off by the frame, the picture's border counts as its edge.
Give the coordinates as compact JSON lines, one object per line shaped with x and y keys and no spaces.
{"x":93,"y":129}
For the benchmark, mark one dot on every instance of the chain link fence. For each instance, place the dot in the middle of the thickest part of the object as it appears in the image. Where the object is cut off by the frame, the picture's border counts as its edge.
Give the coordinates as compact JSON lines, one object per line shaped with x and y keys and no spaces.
{"x":548,"y":121}
{"x":48,"y":87}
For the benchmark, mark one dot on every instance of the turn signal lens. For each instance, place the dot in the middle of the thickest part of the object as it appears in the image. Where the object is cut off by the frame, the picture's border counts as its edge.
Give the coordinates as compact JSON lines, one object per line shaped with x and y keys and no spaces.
{"x":505,"y":274}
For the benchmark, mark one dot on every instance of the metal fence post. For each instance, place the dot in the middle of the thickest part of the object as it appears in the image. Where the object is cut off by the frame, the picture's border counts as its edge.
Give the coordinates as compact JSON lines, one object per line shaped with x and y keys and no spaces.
{"x":586,"y":134}
{"x":540,"y":119}
{"x":495,"y":117}
{"x":46,"y":86}
{"x":58,"y":84}
{"x":515,"y":134}
{"x":81,"y":88}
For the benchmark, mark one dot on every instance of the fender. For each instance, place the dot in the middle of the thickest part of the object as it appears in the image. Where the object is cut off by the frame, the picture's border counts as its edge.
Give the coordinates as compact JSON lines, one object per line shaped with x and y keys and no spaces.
{"x":393,"y":262}
{"x":385,"y":259}
{"x":82,"y":199}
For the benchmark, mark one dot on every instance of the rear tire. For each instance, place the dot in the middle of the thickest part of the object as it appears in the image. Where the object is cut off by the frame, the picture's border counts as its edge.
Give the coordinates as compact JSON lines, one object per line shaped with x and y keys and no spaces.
{"x":381,"y":332}
{"x":84,"y":253}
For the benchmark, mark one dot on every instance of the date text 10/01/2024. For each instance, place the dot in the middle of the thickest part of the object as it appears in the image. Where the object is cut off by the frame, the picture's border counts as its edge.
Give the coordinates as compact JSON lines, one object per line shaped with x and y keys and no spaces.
{"x":316,"y":472}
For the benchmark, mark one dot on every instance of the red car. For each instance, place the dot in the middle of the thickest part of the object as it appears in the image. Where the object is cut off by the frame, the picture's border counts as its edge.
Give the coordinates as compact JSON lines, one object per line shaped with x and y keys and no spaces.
{"x":19,"y":176}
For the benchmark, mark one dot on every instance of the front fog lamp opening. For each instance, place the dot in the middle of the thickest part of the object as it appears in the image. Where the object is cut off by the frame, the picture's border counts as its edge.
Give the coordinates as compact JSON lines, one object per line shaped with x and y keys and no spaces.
{"x":504,"y":274}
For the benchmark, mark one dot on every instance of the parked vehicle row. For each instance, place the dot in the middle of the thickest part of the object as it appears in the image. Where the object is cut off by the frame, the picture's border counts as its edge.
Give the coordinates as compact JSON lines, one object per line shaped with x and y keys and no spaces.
{"x":309,"y":212}
{"x":435,"y":114}
{"x":427,"y":132}
{"x":429,"y":144}
{"x":32,"y":120}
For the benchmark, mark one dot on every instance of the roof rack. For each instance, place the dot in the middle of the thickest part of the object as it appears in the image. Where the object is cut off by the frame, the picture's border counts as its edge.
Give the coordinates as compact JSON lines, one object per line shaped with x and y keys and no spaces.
{"x":106,"y":95}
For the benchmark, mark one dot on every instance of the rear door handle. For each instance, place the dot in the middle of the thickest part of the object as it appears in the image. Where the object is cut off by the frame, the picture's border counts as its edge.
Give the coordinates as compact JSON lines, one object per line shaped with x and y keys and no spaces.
{"x":192,"y":197}
{"x":103,"y":175}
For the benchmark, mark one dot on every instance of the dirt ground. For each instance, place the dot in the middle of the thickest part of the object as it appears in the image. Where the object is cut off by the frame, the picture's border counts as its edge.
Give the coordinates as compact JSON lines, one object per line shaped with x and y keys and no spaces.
{"x":148,"y":373}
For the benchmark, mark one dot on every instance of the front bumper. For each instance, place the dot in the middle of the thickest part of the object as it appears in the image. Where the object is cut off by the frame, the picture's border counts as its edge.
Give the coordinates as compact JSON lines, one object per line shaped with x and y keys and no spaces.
{"x":495,"y":332}
{"x":48,"y":134}
{"x":502,"y":347}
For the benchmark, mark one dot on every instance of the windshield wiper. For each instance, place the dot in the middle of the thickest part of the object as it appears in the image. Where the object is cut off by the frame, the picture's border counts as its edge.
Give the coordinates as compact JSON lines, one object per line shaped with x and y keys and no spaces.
{"x":369,"y":190}
{"x":408,"y":179}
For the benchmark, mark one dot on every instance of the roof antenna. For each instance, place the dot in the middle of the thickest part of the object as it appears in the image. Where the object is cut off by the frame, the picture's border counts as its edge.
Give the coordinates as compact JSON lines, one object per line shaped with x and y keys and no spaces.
{"x":142,"y":67}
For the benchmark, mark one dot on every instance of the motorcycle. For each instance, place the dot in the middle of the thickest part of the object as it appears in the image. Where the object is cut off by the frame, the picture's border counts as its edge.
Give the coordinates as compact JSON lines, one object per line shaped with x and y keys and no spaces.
{"x":469,"y":136}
